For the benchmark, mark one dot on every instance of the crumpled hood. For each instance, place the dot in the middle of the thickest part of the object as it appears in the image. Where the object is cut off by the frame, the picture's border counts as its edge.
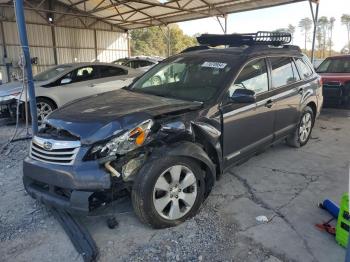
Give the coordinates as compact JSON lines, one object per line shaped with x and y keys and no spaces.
{"x":10,"y":88}
{"x":15,"y":87}
{"x":101,"y":116}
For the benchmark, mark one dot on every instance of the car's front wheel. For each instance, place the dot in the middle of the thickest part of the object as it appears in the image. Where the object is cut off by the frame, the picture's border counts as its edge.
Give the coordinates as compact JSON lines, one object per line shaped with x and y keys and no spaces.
{"x":44,"y":108}
{"x":168,"y":191}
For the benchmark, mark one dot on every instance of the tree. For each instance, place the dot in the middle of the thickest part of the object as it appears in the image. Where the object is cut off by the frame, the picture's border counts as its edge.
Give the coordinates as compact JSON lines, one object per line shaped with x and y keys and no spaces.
{"x":323,"y":24}
{"x":154,"y":41}
{"x":345,"y":20}
{"x":291,"y":30}
{"x":305,"y":25}
{"x":331,"y":27}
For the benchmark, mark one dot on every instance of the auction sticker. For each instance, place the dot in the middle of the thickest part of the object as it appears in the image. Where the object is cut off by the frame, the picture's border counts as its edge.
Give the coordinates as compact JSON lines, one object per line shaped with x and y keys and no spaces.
{"x":214,"y":65}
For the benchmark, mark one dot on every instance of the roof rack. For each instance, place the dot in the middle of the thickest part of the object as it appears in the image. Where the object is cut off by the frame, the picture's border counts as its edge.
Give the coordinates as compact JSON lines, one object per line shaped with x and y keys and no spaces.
{"x":250,"y":39}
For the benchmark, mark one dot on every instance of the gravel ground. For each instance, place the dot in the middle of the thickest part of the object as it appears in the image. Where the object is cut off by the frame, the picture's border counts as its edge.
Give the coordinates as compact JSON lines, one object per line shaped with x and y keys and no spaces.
{"x":283,"y":184}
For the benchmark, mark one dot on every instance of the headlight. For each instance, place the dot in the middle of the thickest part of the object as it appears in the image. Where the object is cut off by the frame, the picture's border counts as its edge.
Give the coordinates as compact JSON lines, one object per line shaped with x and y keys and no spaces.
{"x":124,"y":143}
{"x":9,"y":97}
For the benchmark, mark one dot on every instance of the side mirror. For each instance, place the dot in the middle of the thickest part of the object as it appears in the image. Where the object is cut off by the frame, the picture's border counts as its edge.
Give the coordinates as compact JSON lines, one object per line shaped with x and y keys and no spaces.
{"x":243,"y":96}
{"x":65,"y":81}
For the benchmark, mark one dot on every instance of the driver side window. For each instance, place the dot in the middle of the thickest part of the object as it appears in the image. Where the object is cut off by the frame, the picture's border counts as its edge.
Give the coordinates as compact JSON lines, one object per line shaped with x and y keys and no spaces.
{"x":253,"y":77}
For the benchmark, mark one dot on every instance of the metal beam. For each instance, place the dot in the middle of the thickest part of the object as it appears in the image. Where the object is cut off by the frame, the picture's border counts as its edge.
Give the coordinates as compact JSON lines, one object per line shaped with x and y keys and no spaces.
{"x":38,"y":13}
{"x":315,"y":21}
{"x":169,"y":43}
{"x":78,"y":13}
{"x":78,"y":3}
{"x":227,"y":5}
{"x":95,"y":44}
{"x":4,"y":50}
{"x":142,"y":12}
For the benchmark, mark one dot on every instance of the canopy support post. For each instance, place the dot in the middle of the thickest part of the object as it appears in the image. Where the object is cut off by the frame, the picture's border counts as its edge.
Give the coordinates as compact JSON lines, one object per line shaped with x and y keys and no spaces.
{"x":21,"y":25}
{"x":223,"y":26}
{"x":314,"y":14}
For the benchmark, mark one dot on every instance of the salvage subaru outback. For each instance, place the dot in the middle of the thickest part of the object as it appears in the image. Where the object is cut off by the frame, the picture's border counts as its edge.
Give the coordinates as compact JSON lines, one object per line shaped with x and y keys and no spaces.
{"x":167,"y":144}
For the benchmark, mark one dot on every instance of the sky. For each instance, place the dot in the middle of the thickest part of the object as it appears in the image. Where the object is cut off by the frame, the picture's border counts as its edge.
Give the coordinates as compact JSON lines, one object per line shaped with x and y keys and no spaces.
{"x":269,"y":19}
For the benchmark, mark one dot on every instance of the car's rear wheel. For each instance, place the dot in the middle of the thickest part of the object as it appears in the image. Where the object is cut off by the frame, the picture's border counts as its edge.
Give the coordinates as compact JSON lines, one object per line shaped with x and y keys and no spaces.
{"x":301,"y":135}
{"x":168,"y":191}
{"x":44,"y":108}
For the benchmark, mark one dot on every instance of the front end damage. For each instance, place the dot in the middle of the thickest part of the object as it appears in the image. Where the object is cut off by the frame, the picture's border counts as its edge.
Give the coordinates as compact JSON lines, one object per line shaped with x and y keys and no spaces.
{"x":104,"y":170}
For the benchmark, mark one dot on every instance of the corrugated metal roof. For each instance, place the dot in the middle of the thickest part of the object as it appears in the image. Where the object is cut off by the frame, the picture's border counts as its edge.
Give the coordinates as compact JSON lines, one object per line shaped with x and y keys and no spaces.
{"x":143,"y":13}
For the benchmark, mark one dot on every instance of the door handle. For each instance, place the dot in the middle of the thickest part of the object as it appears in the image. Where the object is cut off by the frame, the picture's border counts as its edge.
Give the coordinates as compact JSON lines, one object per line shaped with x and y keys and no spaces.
{"x":301,"y":91}
{"x":269,"y":103}
{"x":91,"y":85}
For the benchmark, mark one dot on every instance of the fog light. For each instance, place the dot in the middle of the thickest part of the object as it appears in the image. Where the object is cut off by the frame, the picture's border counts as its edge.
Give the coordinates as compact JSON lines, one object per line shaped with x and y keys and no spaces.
{"x":130,"y":167}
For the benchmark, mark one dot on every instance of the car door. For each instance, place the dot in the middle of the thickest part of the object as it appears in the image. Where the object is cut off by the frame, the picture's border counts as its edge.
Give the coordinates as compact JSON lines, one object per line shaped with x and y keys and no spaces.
{"x":111,"y":78}
{"x":248,"y":126}
{"x":286,"y":88}
{"x":77,"y":84}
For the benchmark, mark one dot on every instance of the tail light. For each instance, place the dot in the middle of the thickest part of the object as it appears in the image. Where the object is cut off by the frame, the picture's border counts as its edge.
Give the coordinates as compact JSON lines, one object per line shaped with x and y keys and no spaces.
{"x":320,"y":81}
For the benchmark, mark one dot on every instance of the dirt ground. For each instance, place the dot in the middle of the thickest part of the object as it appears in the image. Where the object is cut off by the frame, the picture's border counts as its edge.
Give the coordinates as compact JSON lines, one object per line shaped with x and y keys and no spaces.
{"x":283,"y":183}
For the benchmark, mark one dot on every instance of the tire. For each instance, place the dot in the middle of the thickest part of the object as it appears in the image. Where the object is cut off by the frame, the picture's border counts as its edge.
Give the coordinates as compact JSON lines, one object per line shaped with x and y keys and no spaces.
{"x":302,"y":133}
{"x":44,"y":107}
{"x":156,"y":81}
{"x":148,"y":199}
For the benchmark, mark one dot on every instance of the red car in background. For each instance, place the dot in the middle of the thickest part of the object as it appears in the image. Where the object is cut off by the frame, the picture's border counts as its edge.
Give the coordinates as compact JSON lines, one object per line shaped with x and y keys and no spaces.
{"x":335,"y":73}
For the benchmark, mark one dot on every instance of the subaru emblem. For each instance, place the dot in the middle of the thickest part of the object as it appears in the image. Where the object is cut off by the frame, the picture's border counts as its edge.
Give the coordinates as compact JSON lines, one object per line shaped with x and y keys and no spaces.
{"x":47,"y":145}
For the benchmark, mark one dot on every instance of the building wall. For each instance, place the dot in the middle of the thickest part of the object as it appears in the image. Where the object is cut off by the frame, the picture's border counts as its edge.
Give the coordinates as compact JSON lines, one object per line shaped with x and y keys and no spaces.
{"x":75,"y":41}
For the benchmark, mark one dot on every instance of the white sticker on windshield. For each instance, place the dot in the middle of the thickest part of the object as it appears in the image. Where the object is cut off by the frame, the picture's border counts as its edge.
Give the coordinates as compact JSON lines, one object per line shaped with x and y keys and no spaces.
{"x":214,"y":65}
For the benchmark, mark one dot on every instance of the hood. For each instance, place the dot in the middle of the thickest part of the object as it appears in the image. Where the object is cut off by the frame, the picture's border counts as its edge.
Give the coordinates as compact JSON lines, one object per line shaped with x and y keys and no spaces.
{"x":335,"y":77}
{"x":10,"y":88}
{"x":101,"y":116}
{"x":15,"y":87}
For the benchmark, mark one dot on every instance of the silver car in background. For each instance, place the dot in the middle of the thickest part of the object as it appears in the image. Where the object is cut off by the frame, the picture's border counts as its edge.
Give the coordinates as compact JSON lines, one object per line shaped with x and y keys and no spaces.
{"x":64,"y":83}
{"x":143,"y":63}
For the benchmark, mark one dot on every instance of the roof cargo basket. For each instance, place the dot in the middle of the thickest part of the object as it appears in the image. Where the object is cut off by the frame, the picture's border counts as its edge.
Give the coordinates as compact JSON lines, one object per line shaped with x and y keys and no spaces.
{"x":259,"y":38}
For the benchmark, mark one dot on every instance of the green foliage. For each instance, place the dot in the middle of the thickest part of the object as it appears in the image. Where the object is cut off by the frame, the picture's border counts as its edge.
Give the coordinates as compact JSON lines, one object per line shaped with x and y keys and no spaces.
{"x":153,"y":41}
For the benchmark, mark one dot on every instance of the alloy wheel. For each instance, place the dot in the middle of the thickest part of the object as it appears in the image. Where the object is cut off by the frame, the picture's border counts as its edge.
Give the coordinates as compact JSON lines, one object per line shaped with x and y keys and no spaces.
{"x":156,"y":81}
{"x":43,"y":110}
{"x":175,"y":192}
{"x":305,"y":127}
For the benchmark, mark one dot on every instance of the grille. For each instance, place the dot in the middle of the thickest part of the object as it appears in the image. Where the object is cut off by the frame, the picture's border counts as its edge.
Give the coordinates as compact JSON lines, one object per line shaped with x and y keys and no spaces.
{"x":332,"y":84}
{"x":54,"y":151}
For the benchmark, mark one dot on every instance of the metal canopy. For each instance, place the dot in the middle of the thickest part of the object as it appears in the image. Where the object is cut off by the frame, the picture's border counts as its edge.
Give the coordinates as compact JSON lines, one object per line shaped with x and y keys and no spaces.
{"x":144,"y":13}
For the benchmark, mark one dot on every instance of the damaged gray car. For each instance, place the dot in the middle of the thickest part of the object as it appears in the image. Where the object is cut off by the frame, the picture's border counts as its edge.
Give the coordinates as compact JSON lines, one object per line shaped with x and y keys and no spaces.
{"x":166,"y":144}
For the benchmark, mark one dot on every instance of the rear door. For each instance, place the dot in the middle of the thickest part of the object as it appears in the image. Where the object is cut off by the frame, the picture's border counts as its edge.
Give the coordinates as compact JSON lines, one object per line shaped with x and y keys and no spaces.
{"x":111,"y":78}
{"x":247,"y":127}
{"x":285,"y":94}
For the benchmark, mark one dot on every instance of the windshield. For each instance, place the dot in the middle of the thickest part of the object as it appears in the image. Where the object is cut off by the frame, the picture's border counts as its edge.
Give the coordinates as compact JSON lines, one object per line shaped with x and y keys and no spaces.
{"x":52,"y":72}
{"x":335,"y":65}
{"x":186,"y":78}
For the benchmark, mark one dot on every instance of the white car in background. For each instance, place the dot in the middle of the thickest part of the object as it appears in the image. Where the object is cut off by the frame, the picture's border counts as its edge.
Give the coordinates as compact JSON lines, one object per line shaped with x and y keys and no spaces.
{"x":64,"y":83}
{"x":143,"y":63}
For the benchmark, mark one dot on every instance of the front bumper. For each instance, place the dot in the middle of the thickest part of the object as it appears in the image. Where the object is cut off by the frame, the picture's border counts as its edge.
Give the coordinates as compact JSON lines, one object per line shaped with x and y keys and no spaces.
{"x":70,"y":187}
{"x":8,"y":108}
{"x":336,"y":94}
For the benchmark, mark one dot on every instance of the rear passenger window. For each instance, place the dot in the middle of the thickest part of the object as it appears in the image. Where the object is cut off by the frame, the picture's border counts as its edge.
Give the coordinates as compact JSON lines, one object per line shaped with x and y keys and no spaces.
{"x":283,"y":71}
{"x":144,"y":63}
{"x":304,"y":70}
{"x":108,"y":71}
{"x":252,"y":77}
